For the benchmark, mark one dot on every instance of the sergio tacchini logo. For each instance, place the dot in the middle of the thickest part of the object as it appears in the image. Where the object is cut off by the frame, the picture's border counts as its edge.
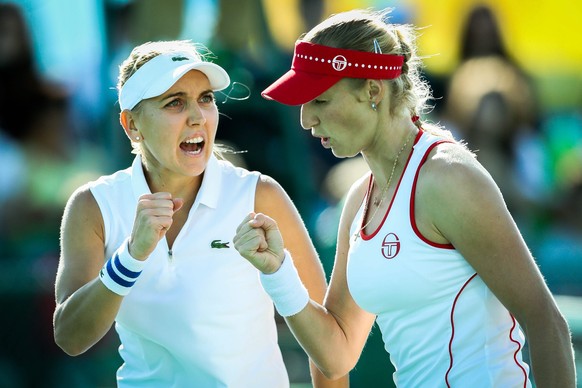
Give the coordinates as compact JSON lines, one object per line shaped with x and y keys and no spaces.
{"x":339,"y":62}
{"x":219,"y":244}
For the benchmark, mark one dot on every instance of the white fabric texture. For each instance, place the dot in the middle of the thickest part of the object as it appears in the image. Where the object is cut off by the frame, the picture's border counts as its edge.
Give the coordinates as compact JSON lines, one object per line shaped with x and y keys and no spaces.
{"x":440,"y":323}
{"x":198,"y":316}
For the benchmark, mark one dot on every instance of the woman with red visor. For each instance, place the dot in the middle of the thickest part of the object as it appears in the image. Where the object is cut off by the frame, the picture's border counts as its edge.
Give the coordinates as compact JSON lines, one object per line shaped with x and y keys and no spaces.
{"x":426,"y":246}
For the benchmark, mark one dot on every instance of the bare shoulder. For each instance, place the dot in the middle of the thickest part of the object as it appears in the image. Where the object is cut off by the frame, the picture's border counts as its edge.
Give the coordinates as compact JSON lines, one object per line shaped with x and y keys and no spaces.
{"x":451,"y":170}
{"x":82,"y":197}
{"x":82,"y":210}
{"x":267,"y":184}
{"x":269,"y":194}
{"x":449,"y":155}
{"x":454,"y":190}
{"x":272,"y":199}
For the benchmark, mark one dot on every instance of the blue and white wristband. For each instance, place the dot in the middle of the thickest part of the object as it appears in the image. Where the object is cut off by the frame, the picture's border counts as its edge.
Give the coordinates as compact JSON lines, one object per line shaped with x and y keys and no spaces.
{"x":121,"y":271}
{"x":285,"y":288}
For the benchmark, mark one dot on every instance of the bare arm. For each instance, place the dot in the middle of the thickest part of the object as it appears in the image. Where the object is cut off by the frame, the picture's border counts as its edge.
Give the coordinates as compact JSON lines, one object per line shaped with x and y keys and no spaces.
{"x":273,"y":200}
{"x":334,"y":335}
{"x":85,"y":308}
{"x":337,"y":341}
{"x":474,"y":218}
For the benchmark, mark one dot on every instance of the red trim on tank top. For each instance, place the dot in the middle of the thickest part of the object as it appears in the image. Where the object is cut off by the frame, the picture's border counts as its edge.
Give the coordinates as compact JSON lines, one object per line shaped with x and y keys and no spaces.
{"x":514,"y":324}
{"x":413,"y":196}
{"x":453,"y":329}
{"x":363,"y":234}
{"x":517,"y":350}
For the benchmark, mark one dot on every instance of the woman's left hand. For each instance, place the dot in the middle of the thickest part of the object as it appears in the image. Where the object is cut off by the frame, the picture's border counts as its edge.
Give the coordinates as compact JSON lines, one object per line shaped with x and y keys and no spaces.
{"x":259,"y":240}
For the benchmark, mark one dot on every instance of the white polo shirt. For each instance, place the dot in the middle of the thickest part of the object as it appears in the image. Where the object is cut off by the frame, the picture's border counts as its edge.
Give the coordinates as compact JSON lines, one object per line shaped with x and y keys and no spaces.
{"x":197,"y":317}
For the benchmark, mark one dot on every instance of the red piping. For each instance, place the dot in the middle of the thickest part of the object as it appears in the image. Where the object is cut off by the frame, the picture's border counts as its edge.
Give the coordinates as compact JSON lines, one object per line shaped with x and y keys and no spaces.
{"x":453,"y":329}
{"x":517,"y":350}
{"x":370,"y":236}
{"x":413,"y":196}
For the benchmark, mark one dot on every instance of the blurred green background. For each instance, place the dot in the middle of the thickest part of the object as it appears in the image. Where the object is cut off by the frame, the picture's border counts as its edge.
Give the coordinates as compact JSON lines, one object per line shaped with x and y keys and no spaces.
{"x":511,"y":86}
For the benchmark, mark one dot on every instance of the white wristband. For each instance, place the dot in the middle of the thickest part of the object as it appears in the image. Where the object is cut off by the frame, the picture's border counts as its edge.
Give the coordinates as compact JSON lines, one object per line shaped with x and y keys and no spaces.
{"x":285,"y":288}
{"x":121,"y":271}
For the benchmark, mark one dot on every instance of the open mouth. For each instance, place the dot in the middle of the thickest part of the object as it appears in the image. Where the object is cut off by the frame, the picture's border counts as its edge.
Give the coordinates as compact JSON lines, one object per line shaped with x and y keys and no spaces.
{"x":193,"y":146}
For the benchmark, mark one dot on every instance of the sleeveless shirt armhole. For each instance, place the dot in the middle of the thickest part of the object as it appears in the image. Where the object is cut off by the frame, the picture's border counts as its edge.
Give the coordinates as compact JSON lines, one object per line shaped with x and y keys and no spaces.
{"x":413,"y":196}
{"x":100,"y":203}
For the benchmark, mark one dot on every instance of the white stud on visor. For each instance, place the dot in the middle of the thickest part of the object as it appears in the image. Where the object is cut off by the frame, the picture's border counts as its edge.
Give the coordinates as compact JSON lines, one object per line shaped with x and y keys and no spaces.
{"x":161,"y":72}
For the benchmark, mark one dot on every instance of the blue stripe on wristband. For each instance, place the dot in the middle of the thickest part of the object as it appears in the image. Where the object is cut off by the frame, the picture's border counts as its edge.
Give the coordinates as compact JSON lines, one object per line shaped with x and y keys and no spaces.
{"x":124,"y":271}
{"x":121,"y":271}
{"x":116,"y":278}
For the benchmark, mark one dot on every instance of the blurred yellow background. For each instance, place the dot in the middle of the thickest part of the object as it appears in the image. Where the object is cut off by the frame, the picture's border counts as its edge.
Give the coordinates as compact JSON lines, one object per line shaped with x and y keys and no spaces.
{"x":543,"y":36}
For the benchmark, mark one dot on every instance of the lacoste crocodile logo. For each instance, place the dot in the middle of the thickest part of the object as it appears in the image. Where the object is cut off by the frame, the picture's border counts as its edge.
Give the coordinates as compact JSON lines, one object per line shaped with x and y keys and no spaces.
{"x":219,"y":244}
{"x":176,"y":59}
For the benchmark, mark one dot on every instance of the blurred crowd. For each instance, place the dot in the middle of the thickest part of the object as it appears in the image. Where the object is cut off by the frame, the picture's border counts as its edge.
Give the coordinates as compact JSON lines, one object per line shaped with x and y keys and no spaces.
{"x":59,"y":128}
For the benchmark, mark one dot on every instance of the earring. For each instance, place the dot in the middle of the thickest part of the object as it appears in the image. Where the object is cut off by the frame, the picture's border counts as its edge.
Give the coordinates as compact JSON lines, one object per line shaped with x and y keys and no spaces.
{"x":374,"y":106}
{"x":137,"y":138}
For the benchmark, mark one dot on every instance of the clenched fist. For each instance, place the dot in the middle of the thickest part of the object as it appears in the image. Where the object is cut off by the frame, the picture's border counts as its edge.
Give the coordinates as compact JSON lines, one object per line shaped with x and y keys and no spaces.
{"x":153,"y":218}
{"x":259,"y":240}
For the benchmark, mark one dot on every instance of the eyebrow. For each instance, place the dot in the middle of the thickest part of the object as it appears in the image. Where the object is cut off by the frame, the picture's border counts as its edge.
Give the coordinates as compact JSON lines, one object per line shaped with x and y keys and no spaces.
{"x":181,"y":94}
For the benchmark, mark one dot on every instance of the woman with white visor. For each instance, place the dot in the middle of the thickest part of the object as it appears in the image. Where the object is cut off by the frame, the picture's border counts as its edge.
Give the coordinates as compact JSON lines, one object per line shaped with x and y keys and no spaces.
{"x":150,"y":247}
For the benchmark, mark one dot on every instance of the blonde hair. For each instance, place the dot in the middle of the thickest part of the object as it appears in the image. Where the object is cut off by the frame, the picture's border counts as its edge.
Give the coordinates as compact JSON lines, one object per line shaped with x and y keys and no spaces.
{"x":357,"y":30}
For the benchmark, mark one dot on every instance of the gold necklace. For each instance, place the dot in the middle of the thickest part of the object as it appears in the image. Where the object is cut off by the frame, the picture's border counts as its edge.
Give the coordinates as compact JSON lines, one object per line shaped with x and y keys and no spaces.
{"x":378,"y":201}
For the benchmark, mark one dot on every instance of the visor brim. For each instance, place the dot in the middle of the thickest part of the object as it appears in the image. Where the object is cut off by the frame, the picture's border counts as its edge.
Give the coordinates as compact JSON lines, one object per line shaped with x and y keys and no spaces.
{"x":217,"y":77}
{"x":158,"y":75}
{"x":298,"y":88}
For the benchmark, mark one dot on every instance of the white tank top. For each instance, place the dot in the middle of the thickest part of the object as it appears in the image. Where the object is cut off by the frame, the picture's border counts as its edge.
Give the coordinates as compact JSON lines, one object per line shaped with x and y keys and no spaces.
{"x":440,"y":323}
{"x":197,"y":316}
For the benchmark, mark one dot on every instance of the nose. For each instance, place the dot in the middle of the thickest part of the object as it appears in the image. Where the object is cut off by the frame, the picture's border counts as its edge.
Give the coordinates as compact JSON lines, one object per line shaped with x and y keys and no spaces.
{"x":195,"y":115}
{"x":308,"y":119}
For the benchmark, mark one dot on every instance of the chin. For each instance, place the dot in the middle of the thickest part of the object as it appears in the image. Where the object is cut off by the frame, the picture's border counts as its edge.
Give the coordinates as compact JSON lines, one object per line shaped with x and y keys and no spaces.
{"x":344,"y":155}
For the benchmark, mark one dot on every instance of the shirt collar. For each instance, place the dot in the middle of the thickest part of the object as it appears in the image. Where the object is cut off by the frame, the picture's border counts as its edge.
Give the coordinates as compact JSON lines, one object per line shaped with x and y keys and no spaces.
{"x":209,"y":190}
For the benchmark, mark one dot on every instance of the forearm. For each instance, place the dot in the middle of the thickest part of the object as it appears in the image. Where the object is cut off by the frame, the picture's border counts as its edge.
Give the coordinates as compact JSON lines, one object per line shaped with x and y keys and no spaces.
{"x":316,"y":329}
{"x":552,"y":355}
{"x":322,"y":337}
{"x":85,"y":317}
{"x":320,"y":381}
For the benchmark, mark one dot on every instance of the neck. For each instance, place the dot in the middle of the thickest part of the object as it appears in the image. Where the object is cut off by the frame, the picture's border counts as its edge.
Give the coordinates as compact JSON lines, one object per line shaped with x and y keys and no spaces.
{"x":179,"y":186}
{"x":387,"y":151}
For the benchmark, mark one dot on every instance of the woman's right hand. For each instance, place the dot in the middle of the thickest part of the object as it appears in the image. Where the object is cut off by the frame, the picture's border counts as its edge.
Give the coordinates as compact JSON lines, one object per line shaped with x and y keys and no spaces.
{"x":153,"y":218}
{"x":259,"y":240}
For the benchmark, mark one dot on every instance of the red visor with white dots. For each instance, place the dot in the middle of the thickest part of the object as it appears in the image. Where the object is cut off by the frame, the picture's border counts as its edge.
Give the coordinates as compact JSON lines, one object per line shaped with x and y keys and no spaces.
{"x":316,"y":68}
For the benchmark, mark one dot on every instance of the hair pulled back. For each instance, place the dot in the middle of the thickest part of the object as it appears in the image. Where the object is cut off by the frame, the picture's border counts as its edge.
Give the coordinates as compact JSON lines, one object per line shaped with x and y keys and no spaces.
{"x":357,"y":29}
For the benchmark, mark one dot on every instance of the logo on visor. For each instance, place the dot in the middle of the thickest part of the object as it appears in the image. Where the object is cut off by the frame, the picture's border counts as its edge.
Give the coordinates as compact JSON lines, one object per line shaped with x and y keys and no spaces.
{"x":176,"y":59}
{"x":339,"y":62}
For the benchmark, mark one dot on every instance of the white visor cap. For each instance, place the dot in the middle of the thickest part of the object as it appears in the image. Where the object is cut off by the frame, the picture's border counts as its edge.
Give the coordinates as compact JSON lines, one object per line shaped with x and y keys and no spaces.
{"x":158,"y":75}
